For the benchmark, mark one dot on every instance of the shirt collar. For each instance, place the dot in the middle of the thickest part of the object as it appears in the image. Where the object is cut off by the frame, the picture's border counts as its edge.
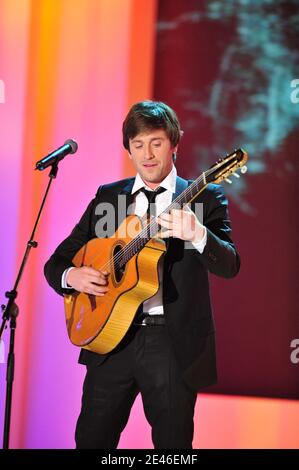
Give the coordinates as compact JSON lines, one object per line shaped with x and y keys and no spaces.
{"x":168,"y":183}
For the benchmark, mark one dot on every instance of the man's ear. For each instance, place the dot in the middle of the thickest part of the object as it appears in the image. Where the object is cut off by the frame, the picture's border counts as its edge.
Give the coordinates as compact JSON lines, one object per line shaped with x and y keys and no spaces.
{"x":174,"y":153}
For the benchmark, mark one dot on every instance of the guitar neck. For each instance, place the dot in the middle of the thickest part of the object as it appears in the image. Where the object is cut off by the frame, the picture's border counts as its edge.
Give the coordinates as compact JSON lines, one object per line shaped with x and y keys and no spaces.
{"x":152,"y":228}
{"x":217,"y":173}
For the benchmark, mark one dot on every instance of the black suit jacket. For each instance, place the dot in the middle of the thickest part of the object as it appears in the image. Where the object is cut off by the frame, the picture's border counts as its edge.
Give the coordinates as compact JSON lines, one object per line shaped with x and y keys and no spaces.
{"x":186,"y":297}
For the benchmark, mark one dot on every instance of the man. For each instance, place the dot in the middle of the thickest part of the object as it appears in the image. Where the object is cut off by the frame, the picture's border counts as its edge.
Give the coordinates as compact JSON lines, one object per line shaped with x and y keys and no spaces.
{"x":168,"y":353}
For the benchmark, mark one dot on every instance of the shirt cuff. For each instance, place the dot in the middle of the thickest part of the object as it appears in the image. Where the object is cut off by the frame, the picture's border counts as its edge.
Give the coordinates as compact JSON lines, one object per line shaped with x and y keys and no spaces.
{"x":64,"y":284}
{"x":200,"y":245}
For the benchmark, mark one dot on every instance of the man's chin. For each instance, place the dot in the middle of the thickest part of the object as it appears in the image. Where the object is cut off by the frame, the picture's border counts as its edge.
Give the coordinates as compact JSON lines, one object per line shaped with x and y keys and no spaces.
{"x":151,"y":178}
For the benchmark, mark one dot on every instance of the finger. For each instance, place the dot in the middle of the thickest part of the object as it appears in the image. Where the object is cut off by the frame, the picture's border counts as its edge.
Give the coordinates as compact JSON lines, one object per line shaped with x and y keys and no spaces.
{"x":177,"y":213}
{"x":96,"y":290}
{"x":165,"y":216}
{"x":90,"y":270}
{"x":99,"y":287}
{"x":165,"y":234}
{"x":187,"y":208}
{"x":104,"y":273}
{"x":104,"y":277}
{"x":99,"y":282}
{"x":164,"y":223}
{"x":96,"y":278}
{"x":178,"y":216}
{"x":95,"y":274}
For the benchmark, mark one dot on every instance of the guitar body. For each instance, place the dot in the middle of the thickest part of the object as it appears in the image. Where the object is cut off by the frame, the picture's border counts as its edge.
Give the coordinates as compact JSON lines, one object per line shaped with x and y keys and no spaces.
{"x":98,"y":323}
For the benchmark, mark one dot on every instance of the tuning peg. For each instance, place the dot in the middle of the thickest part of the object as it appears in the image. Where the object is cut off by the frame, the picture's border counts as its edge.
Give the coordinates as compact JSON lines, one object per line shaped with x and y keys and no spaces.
{"x":243,"y":169}
{"x":228,"y":181}
{"x":236,"y":175}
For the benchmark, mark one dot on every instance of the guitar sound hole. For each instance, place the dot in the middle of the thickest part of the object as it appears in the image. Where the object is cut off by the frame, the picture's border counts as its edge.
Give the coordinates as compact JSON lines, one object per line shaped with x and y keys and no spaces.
{"x":118,"y":269}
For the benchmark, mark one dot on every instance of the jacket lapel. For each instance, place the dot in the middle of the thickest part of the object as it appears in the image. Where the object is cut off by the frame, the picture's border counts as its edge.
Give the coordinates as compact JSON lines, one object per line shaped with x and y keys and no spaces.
{"x":181,"y":185}
{"x":126,"y":191}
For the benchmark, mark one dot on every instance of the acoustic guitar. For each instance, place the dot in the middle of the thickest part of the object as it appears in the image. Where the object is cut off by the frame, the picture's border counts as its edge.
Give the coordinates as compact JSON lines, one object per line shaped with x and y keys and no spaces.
{"x":98,"y":323}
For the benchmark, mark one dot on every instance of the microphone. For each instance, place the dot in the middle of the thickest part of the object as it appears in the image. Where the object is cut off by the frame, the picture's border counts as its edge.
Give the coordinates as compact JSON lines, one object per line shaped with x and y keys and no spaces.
{"x":70,"y":146}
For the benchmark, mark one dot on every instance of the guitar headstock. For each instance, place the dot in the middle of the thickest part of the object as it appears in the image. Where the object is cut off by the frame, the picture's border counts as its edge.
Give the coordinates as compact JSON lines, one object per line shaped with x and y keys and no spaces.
{"x":227,"y":166}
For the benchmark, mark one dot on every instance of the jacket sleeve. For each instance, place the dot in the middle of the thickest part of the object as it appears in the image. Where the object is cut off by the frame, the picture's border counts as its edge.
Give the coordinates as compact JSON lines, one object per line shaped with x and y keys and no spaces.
{"x":219,"y":256}
{"x":62,"y":257}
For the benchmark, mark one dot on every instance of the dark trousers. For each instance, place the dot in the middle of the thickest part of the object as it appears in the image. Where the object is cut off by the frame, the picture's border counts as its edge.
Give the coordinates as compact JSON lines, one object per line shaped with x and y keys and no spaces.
{"x":143,"y":362}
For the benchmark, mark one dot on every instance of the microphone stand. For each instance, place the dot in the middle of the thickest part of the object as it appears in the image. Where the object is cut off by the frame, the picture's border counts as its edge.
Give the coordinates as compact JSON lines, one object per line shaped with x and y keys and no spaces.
{"x":10,"y":313}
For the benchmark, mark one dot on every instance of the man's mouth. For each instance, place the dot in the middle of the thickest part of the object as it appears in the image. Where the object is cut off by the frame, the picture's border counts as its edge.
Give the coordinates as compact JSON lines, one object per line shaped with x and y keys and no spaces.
{"x":149,"y":165}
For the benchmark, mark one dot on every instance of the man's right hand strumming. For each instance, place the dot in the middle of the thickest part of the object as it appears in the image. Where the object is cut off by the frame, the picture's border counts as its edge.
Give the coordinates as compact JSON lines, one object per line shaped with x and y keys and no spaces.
{"x":88,"y":280}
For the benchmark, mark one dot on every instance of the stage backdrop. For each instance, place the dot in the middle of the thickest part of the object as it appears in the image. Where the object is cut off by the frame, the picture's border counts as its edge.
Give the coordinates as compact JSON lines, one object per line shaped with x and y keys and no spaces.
{"x":71,"y":70}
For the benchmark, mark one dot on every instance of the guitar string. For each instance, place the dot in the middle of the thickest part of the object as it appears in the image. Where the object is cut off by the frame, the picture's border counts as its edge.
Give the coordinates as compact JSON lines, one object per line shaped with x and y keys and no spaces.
{"x":134,"y":245}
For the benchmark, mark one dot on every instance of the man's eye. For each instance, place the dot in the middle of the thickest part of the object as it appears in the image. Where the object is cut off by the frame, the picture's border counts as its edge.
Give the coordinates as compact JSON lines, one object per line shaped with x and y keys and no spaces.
{"x":157,"y":145}
{"x":138,"y":146}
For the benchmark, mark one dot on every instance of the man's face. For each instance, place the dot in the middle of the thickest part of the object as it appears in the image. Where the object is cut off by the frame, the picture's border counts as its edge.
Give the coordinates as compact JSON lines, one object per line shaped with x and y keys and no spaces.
{"x":151,"y":154}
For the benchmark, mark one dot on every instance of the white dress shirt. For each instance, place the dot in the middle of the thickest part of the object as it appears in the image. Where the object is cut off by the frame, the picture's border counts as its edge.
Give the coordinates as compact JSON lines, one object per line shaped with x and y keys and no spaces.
{"x":154,"y":305}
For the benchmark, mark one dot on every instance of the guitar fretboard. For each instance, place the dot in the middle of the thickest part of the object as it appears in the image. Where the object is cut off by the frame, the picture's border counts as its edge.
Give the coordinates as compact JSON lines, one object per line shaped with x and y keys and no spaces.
{"x":217,"y":172}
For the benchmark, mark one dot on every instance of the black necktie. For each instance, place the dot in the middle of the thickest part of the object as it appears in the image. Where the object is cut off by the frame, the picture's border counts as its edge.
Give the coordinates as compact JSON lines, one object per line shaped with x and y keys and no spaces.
{"x":151,"y":197}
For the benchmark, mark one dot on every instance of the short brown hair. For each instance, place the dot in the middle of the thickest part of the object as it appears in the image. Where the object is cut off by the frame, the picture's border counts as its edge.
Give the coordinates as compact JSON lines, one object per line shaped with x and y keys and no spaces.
{"x":149,"y":115}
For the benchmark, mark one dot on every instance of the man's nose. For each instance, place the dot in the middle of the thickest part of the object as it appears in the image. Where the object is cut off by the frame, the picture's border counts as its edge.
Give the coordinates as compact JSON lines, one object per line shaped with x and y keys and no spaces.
{"x":148,"y":152}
